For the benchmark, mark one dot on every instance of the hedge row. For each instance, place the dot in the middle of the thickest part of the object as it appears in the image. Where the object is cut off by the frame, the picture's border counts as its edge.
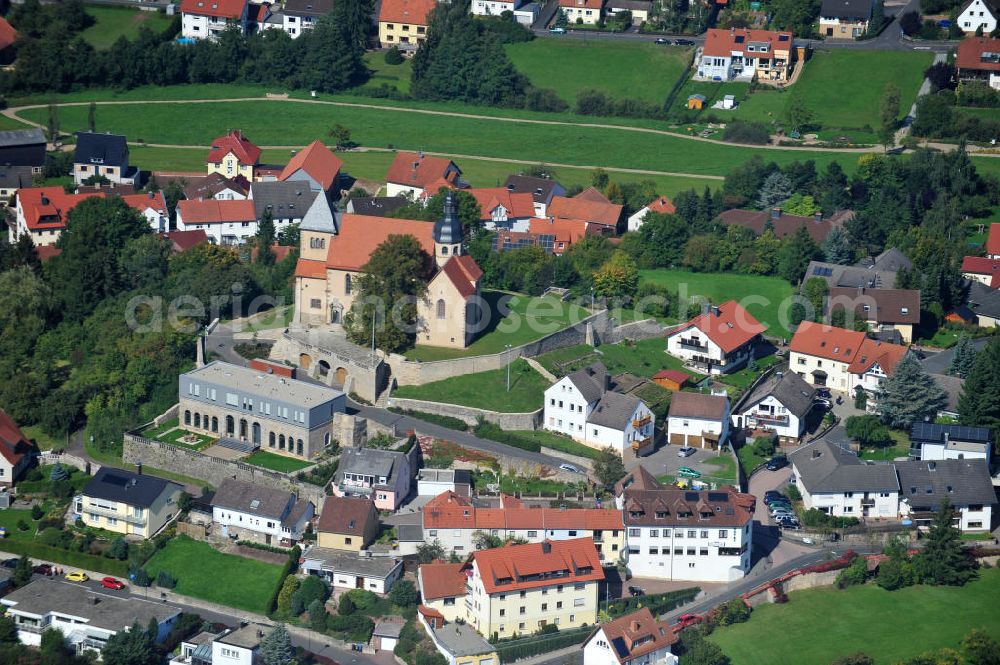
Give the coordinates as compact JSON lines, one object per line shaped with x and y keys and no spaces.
{"x":444,"y":421}
{"x":287,"y":569}
{"x":67,"y":557}
{"x":658,"y":603}
{"x":493,"y":432}
{"x":532,"y":646}
{"x":266,"y":548}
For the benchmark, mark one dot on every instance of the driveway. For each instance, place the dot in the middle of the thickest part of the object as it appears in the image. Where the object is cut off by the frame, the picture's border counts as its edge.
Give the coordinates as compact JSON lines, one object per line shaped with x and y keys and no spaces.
{"x":666,"y":461}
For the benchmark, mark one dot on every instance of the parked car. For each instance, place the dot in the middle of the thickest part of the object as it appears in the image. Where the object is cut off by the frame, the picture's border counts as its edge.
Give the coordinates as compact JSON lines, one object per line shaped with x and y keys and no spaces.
{"x":688,"y":619}
{"x":789,"y":525}
{"x":688,"y":472}
{"x":9,"y":563}
{"x":781,"y":510}
{"x":569,"y":467}
{"x":685,"y":451}
{"x":44,"y":569}
{"x":808,"y":541}
{"x":776,"y":463}
{"x":112,"y":583}
{"x":636,"y":590}
{"x":76,"y":576}
{"x":776,"y":505}
{"x":683,"y":42}
{"x":661,"y":40}
{"x":824,"y":393}
{"x":823,"y":403}
{"x":558,"y":31}
{"x":772,"y":496}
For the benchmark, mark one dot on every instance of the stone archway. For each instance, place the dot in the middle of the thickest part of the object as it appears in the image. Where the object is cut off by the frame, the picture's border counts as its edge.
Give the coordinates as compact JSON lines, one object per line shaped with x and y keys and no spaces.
{"x":305,"y":361}
{"x":340,"y":376}
{"x":324,"y":368}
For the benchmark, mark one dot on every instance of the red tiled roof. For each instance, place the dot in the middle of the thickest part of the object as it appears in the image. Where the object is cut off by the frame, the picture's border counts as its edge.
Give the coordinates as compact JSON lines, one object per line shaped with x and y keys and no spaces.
{"x":847,"y":346}
{"x":662,"y":205}
{"x":14,"y":445}
{"x":346,"y":515}
{"x":504,"y":569}
{"x":233,"y":142}
{"x":565,"y":230}
{"x":47,"y":207}
{"x":310,"y":269}
{"x":729,"y":326}
{"x":185,"y":240}
{"x":874,"y":352}
{"x":46,"y":252}
{"x":218,"y":8}
{"x":672,"y":375}
{"x":441,"y":580}
{"x":593,"y":195}
{"x":970,"y":51}
{"x":361,"y":234}
{"x":723,"y":43}
{"x":637,"y":634}
{"x":212,"y":211}
{"x":8,"y":35}
{"x":318,"y":161}
{"x":417,"y":170}
{"x":582,"y":4}
{"x":451,"y":511}
{"x":584,"y":209}
{"x":463,"y":272}
{"x":784,"y":225}
{"x":258,"y":13}
{"x":412,"y":12}
{"x":142,"y":202}
{"x":678,"y":506}
{"x":979,"y":265}
{"x":993,"y":240}
{"x":516,"y":204}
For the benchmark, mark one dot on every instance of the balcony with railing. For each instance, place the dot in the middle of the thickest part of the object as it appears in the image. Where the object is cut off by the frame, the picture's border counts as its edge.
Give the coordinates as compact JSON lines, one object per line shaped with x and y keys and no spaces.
{"x":642,"y":422}
{"x":31,"y":628}
{"x":693,"y":345}
{"x":765,"y":418}
{"x":127,"y":516}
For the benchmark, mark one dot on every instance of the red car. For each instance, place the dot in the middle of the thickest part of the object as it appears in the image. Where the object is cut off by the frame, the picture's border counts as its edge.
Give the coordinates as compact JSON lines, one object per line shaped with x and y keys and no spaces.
{"x":44,"y":569}
{"x":686,"y":620}
{"x":112,"y":583}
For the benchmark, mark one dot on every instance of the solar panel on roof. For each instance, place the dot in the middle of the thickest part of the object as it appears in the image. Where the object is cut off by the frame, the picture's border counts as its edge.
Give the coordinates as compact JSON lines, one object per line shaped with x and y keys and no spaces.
{"x":721,"y":497}
{"x":823,"y":271}
{"x":690,"y":496}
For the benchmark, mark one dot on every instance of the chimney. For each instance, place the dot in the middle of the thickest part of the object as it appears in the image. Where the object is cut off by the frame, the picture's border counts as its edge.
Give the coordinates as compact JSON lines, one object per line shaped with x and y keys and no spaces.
{"x":716,"y":311}
{"x":705,"y":307}
{"x":817,"y":454}
{"x":818,"y":217}
{"x":546,"y":547}
{"x":45,"y":200}
{"x":931,"y":466}
{"x":775,"y":213}
{"x":138,"y":469}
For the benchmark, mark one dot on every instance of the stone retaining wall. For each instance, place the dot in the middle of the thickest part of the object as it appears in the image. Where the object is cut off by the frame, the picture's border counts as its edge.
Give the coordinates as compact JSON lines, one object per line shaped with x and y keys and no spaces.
{"x":811,"y":581}
{"x":469,"y":415}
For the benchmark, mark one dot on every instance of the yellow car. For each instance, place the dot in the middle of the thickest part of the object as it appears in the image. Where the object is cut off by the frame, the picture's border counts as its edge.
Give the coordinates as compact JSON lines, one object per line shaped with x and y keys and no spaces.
{"x":76,"y":576}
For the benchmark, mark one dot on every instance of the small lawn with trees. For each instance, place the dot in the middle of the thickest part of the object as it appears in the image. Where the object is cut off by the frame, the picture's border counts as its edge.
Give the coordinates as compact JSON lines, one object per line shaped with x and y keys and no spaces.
{"x":279,"y":463}
{"x":643,"y":358}
{"x":486,"y":390}
{"x":113,"y":23}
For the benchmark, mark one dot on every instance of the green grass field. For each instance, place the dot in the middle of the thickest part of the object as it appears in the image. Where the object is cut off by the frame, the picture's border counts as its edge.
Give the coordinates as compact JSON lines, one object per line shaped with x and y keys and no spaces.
{"x":713,"y":92}
{"x":821,"y":625}
{"x":843,"y":88}
{"x":640,"y":70}
{"x":396,"y":76}
{"x":44,"y":441}
{"x":644,"y":358}
{"x":204,"y":572}
{"x":387,"y":127}
{"x":486,"y":390}
{"x":112,"y":23}
{"x":761,"y":296}
{"x":558,"y":442}
{"x":514,"y":320}
{"x":279,"y":463}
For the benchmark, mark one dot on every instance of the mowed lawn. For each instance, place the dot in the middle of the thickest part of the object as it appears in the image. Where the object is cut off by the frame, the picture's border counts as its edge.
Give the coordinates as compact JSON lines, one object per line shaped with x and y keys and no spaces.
{"x":514,"y":319}
{"x":844,"y":88}
{"x":486,"y":390}
{"x":275,"y":462}
{"x":382,"y":73}
{"x":821,"y":625}
{"x":204,"y":572}
{"x":112,"y":23}
{"x":644,"y":358}
{"x":766,"y":298}
{"x":388,"y":127}
{"x":640,"y":70}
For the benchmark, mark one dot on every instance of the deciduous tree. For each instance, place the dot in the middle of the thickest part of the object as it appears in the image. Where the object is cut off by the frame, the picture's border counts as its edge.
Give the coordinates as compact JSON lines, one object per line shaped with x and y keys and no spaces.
{"x":618,"y":277}
{"x":608,"y":467}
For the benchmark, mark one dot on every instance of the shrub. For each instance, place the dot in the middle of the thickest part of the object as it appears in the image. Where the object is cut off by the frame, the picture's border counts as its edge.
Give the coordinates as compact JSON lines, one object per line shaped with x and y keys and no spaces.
{"x":492,"y":431}
{"x":346,"y":606}
{"x":817,"y":518}
{"x":142,"y":578}
{"x":393,"y":56}
{"x":854,"y":574}
{"x":867,"y":430}
{"x":118,"y":549}
{"x":36,"y":512}
{"x":735,"y":611}
{"x":22,"y":525}
{"x":288,"y":589}
{"x":764,"y":446}
{"x":352,"y":627}
{"x":793,"y":492}
{"x":165,"y":580}
{"x":545,"y":100}
{"x":739,"y":131}
{"x":404,"y":594}
{"x":444,"y":421}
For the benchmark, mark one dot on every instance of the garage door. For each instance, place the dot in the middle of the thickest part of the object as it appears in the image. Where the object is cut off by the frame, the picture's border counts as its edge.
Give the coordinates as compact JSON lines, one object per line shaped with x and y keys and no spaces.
{"x":677,"y":439}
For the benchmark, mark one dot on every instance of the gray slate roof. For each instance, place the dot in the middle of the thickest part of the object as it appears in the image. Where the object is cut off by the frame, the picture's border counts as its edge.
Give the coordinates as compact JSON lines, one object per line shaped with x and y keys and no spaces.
{"x":461,"y":640}
{"x":614,"y":410}
{"x":17,"y":137}
{"x":824,"y":468}
{"x":288,"y":199}
{"x":111,"y":612}
{"x":789,"y":388}
{"x":349,"y":563}
{"x":590,"y":381}
{"x":934,"y":433}
{"x":984,"y":300}
{"x":847,"y":9}
{"x":850,"y":276}
{"x":924,"y":484}
{"x":308,"y":7}
{"x":126,"y":487}
{"x":15,"y":177}
{"x":370,"y":461}
{"x":410,"y":533}
{"x":541,"y":189}
{"x":376,"y":206}
{"x":320,"y":216}
{"x":248,"y":637}
{"x":104,"y":149}
{"x":252,"y":499}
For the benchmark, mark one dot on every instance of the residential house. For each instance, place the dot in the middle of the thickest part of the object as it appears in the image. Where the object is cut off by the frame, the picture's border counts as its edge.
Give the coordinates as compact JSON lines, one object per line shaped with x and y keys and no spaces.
{"x":661,"y":206}
{"x":840,"y":359}
{"x":375,"y":206}
{"x":8,"y":35}
{"x":845,"y":19}
{"x":588,"y":206}
{"x":493,"y":7}
{"x":206,"y":19}
{"x":542,"y":190}
{"x":181,"y":241}
{"x":879,"y":272}
{"x":978,"y":59}
{"x":555,"y":236}
{"x":414,"y":173}
{"x":442,"y":587}
{"x":13,"y":178}
{"x":983,"y":270}
{"x":639,"y":10}
{"x":403,"y":23}
{"x":383,"y":475}
{"x":153,"y":206}
{"x":23,"y":147}
{"x":346,"y":570}
{"x":301,"y":15}
{"x":40,"y":212}
{"x":433,"y":482}
{"x":742,"y":54}
{"x":16,"y":451}
{"x":518,"y":589}
{"x":882,"y":309}
{"x":455,"y":521}
{"x":86,"y":617}
{"x":247,"y":511}
{"x":224,"y":222}
{"x":239,"y":646}
{"x":779,"y":404}
{"x":698,"y":420}
{"x":931,"y":441}
{"x":315,"y":164}
{"x":233,"y":155}
{"x":501,"y":208}
{"x":636,"y":638}
{"x":287,"y":202}
{"x":128,"y":503}
{"x":248,"y":407}
{"x":582,"y":406}
{"x":459,"y":644}
{"x":985,"y":305}
{"x":582,"y":11}
{"x":675,"y":534}
{"x":347,"y":523}
{"x":102,"y":156}
{"x":719,"y":341}
{"x":976,"y":15}
{"x":671,"y":379}
{"x":217,"y":186}
{"x":993,"y":242}
{"x":965,"y":483}
{"x":784,"y":225}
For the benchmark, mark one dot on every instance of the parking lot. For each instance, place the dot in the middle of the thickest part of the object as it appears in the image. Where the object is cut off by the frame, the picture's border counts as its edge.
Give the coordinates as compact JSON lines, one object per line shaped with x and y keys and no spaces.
{"x":665,"y":461}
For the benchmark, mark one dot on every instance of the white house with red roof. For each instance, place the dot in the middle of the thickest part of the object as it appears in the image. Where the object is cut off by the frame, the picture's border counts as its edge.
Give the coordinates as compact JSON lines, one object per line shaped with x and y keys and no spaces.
{"x":978,"y":59}
{"x":15,"y":450}
{"x":413,"y":173}
{"x":206,"y":19}
{"x":582,"y":11}
{"x":661,"y":206}
{"x":317,"y":165}
{"x":233,"y":155}
{"x":841,"y":359}
{"x":993,"y":242}
{"x":153,"y":207}
{"x":634,"y":639}
{"x":720,"y":340}
{"x":982,"y":269}
{"x":742,"y":54}
{"x":224,"y":222}
{"x":501,"y":208}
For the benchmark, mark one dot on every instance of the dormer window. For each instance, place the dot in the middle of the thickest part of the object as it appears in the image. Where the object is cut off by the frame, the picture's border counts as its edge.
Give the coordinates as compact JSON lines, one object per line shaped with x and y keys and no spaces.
{"x":661,"y":514}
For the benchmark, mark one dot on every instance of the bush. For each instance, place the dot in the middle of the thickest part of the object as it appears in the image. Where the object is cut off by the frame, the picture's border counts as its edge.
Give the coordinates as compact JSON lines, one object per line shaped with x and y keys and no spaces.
{"x":142,"y":578}
{"x":854,"y":574}
{"x":793,"y":492}
{"x":352,"y":627}
{"x":393,"y":56}
{"x":118,"y":549}
{"x":545,"y":100}
{"x":596,"y":102}
{"x":444,"y":421}
{"x":36,"y":512}
{"x":488,"y":430}
{"x":735,"y":611}
{"x":817,"y":518}
{"x":868,"y":430}
{"x":165,"y":580}
{"x":739,"y":131}
{"x":404,"y":594}
{"x":764,"y":446}
{"x":658,"y":603}
{"x":22,"y":525}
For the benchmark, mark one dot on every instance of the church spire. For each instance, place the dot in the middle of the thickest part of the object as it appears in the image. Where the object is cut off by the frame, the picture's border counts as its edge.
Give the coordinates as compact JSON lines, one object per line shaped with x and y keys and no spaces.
{"x":447,"y":232}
